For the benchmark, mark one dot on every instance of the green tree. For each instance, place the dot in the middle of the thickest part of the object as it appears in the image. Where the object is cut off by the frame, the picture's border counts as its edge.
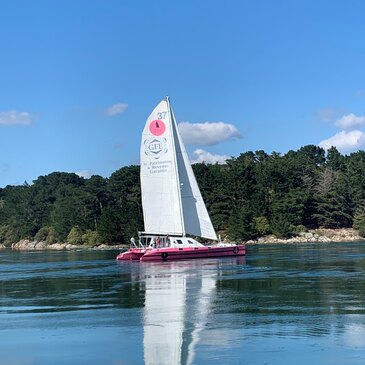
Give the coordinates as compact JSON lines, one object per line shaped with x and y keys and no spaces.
{"x":261,"y":225}
{"x":90,"y":238}
{"x":42,"y":234}
{"x":334,"y":203}
{"x":75,"y":236}
{"x":240,"y":224}
{"x":359,"y":218}
{"x":110,"y":226}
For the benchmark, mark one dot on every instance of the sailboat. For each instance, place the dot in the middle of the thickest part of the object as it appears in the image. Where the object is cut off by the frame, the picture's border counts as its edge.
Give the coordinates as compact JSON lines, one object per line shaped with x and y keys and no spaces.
{"x":173,"y":208}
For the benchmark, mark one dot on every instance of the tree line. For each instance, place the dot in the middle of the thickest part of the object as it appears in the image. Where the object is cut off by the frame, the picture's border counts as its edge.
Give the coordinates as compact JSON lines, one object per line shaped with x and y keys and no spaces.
{"x":252,"y":195}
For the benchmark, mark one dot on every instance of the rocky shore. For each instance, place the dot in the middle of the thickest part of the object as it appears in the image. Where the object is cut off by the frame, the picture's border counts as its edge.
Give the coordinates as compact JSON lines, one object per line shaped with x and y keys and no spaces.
{"x":310,"y":236}
{"x":41,"y":245}
{"x":321,"y":235}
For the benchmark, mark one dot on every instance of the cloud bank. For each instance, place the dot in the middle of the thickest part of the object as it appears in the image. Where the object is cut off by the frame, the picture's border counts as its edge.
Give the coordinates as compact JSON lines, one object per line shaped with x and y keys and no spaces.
{"x":13,"y":117}
{"x":116,"y":109}
{"x":207,"y":157}
{"x":84,"y":173}
{"x":350,"y":121}
{"x":349,"y":139}
{"x":207,"y":134}
{"x":345,"y":141}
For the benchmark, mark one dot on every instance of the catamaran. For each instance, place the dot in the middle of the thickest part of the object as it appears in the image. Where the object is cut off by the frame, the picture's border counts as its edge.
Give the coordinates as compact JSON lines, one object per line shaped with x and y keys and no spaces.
{"x":173,"y":208}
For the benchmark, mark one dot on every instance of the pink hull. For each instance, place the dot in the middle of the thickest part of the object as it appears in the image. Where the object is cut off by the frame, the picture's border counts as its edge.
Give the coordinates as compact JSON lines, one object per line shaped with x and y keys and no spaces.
{"x":167,"y":254}
{"x":131,"y":254}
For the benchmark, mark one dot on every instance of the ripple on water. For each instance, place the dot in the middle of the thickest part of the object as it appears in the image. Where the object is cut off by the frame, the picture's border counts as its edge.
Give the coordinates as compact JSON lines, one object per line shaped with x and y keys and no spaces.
{"x":278,"y":302}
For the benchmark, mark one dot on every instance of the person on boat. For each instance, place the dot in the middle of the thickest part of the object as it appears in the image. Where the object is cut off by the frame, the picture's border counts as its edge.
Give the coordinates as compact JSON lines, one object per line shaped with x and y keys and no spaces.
{"x":167,"y":241}
{"x":133,"y":242}
{"x":153,"y":243}
{"x":158,"y":242}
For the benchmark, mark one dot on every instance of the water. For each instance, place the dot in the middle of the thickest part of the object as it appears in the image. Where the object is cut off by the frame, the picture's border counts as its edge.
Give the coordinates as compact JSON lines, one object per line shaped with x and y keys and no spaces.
{"x":282,"y":304}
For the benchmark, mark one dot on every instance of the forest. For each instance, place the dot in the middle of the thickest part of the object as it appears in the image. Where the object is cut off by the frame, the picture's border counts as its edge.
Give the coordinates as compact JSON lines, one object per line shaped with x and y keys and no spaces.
{"x":252,"y":195}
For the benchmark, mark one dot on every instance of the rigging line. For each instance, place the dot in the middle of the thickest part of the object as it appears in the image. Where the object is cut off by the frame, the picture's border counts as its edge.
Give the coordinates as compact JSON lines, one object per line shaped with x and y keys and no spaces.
{"x":173,"y":129}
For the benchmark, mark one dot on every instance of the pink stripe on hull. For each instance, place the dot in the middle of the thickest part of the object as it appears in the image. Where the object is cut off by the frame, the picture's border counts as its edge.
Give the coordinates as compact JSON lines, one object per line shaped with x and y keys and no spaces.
{"x":193,"y":253}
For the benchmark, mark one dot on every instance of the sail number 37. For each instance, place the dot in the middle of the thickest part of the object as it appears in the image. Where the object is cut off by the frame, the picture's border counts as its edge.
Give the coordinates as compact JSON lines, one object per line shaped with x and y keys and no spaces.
{"x":161,"y":115}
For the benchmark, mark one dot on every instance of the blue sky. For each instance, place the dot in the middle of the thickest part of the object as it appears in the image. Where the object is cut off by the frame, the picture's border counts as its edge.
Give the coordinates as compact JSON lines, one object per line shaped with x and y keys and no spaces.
{"x":79,"y":78}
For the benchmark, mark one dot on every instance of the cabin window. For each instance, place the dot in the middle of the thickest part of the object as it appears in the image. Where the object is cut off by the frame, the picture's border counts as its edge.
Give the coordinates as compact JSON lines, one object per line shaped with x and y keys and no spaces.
{"x":191,"y":242}
{"x":179,"y":242}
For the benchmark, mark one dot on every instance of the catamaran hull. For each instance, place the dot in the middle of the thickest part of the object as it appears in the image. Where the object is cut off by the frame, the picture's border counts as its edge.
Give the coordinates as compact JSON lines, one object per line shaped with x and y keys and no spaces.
{"x":190,"y":253}
{"x":133,"y":254}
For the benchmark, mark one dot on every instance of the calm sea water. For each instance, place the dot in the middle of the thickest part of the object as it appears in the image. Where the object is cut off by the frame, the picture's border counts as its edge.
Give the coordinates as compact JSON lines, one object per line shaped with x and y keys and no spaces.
{"x":282,"y":304}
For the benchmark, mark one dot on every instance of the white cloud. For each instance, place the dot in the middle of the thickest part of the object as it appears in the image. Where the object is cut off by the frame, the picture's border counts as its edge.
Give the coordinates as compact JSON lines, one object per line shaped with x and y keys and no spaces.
{"x":350,"y":121}
{"x":85,"y":174}
{"x":207,"y":157}
{"x":207,"y":134}
{"x":345,"y":141}
{"x":13,"y":117}
{"x":116,"y":109}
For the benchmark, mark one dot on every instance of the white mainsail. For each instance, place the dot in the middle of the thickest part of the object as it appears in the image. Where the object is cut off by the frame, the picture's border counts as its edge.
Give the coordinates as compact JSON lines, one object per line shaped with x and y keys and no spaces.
{"x":171,"y":199}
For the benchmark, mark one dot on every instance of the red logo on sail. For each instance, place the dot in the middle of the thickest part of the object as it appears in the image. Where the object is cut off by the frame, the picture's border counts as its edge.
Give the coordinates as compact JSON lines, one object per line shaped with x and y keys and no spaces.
{"x":157,"y":127}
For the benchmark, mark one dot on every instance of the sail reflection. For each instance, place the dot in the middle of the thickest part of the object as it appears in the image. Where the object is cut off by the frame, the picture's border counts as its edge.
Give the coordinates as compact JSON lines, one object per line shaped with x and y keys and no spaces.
{"x":178,"y":301}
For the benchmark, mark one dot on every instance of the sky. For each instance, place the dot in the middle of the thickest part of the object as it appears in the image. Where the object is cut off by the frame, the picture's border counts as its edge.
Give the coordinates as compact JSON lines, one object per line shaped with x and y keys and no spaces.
{"x":79,"y":78}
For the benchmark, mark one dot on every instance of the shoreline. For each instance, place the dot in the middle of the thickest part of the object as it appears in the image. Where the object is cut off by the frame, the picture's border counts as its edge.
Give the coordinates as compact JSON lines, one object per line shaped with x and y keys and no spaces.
{"x":320,"y":235}
{"x":28,"y":245}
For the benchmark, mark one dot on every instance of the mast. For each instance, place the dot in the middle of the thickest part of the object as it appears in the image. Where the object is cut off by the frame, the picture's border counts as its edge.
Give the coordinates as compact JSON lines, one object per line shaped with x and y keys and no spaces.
{"x":173,"y":124}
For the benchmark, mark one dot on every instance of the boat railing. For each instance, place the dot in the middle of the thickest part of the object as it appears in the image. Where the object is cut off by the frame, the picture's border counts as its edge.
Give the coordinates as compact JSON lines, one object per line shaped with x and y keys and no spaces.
{"x":136,"y":245}
{"x":154,"y":240}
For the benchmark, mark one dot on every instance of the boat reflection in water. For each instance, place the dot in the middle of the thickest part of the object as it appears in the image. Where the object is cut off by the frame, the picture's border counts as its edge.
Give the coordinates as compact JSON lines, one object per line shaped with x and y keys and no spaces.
{"x":179,"y":298}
